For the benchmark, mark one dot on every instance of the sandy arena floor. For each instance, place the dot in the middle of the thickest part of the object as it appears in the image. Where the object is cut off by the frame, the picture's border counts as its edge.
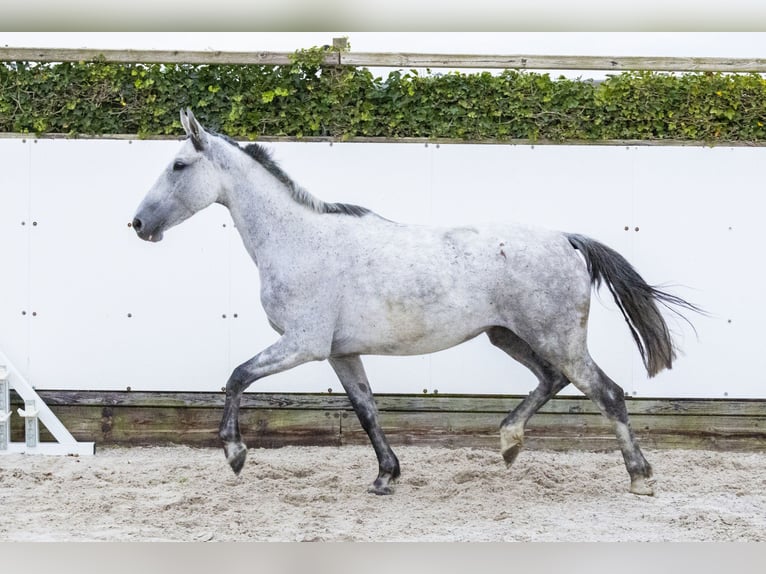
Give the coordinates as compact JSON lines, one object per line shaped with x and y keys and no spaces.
{"x":319,"y":494}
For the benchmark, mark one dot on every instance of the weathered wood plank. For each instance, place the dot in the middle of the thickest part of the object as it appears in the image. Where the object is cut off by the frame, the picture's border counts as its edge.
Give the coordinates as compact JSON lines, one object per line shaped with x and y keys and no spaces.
{"x":159,"y":425}
{"x":271,"y":420}
{"x":553,"y":62}
{"x":472,"y":403}
{"x":422,"y":141}
{"x":571,"y":424}
{"x":573,"y":405}
{"x":127,"y":56}
{"x":392,"y":60}
{"x":561,"y":432}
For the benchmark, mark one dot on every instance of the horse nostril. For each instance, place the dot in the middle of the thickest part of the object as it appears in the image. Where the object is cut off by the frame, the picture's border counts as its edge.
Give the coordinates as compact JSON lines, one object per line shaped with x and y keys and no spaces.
{"x":137,"y":224}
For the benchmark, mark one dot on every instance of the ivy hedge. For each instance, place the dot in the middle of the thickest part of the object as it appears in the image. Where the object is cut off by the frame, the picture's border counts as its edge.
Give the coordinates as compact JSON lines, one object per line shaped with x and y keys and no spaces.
{"x":308,"y":99}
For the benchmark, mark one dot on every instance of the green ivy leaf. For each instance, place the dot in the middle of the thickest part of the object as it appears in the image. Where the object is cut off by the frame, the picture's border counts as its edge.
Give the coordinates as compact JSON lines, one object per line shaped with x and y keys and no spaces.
{"x":308,"y":98}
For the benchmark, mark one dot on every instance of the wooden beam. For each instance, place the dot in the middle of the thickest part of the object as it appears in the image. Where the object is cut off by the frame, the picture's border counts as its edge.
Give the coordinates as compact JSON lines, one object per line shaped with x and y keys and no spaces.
{"x":498,"y":404}
{"x":393,"y":60}
{"x":415,"y":141}
{"x":278,"y":419}
{"x":540,"y":62}
{"x":9,"y":54}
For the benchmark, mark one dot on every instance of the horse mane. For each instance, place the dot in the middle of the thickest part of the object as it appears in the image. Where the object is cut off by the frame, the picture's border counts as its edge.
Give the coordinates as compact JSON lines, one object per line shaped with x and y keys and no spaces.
{"x":263,"y":156}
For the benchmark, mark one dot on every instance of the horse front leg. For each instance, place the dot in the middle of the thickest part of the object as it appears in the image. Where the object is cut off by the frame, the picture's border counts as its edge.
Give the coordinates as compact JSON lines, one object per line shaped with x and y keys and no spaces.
{"x":285,"y":354}
{"x":351,"y":374}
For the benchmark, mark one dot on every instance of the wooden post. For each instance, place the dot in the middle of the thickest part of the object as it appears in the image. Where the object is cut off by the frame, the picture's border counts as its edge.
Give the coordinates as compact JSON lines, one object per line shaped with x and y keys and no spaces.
{"x":340,"y":44}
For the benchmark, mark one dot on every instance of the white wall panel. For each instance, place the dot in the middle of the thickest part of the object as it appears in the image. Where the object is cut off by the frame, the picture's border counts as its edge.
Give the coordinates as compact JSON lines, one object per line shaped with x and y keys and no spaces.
{"x":112,"y":311}
{"x":699,"y":213}
{"x":193,"y":299}
{"x":15,"y":226}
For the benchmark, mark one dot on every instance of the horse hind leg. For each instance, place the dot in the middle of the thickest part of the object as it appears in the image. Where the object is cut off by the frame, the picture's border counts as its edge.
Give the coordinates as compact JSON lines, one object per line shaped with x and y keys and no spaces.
{"x":350,"y":372}
{"x":609,"y":397}
{"x":551,"y":381}
{"x":588,"y":378}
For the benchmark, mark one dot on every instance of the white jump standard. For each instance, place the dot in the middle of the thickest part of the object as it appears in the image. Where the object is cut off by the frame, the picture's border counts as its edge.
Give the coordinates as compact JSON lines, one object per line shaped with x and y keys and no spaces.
{"x":35,"y":411}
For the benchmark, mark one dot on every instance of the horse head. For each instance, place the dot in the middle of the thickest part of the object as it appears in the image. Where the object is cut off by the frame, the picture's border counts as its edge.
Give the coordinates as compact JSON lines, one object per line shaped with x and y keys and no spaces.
{"x":191,"y":182}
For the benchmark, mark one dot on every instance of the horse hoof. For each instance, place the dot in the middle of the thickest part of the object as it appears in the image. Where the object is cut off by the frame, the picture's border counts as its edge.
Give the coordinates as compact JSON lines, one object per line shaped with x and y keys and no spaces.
{"x":380,"y":490}
{"x":642,"y":486}
{"x":383,"y":484}
{"x":510,"y":455}
{"x":236,"y":453}
{"x":511,"y":443}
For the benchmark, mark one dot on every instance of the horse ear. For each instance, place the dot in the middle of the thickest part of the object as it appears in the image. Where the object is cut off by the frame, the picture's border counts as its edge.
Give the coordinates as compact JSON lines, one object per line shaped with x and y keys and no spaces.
{"x":185,"y":121}
{"x":194,"y":129}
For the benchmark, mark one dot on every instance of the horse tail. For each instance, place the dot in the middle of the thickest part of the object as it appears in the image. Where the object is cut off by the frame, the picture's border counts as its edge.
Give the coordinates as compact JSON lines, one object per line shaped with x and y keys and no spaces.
{"x":636,"y":300}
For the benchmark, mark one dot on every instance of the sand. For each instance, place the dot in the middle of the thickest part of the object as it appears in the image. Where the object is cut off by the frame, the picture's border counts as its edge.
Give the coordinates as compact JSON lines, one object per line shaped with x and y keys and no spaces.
{"x":292,"y":494}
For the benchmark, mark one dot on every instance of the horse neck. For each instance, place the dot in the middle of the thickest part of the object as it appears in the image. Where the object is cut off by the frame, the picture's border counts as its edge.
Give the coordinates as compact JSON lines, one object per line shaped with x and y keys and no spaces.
{"x":268,"y":219}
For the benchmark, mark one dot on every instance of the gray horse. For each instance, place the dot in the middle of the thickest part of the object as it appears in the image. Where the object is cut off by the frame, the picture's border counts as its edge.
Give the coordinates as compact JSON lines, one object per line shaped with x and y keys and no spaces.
{"x":338,"y":282}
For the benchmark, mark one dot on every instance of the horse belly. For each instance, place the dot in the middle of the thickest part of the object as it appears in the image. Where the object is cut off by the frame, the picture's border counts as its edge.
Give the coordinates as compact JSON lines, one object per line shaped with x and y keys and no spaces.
{"x":401,"y":340}
{"x":409,"y":326}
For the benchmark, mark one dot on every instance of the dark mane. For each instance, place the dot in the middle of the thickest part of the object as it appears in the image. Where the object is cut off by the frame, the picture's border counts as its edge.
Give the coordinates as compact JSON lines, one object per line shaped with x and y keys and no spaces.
{"x":263,"y":156}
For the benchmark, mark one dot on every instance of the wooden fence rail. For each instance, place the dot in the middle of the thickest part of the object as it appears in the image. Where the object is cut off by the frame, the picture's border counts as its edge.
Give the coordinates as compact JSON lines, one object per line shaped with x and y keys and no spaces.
{"x":393,"y":60}
{"x":279,"y":419}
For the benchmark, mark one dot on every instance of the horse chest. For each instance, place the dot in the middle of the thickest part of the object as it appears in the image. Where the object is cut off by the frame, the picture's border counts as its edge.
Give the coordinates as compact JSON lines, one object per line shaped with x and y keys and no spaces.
{"x":303,"y":301}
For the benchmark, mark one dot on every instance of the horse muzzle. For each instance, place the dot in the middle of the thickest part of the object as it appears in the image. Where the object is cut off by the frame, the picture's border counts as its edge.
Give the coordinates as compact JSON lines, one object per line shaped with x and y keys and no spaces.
{"x":145,"y":232}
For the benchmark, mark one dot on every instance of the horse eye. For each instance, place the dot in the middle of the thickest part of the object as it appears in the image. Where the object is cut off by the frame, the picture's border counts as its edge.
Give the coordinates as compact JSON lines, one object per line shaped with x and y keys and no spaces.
{"x":178,"y":166}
